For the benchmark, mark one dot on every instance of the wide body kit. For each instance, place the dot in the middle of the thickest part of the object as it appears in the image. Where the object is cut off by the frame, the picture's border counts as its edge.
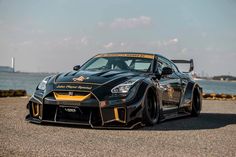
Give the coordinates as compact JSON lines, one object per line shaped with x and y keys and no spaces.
{"x":86,"y":97}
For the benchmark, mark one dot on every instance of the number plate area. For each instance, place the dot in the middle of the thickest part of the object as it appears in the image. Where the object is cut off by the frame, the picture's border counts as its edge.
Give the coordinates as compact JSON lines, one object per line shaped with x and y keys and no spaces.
{"x":72,"y":113}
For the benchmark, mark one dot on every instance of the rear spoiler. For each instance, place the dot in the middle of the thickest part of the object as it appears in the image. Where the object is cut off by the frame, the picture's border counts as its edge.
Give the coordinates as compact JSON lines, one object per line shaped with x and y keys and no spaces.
{"x":185,"y":61}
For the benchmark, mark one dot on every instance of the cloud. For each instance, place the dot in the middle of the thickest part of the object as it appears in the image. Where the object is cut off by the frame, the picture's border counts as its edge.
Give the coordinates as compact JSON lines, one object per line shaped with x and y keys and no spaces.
{"x":122,"y":44}
{"x":171,"y":41}
{"x":203,"y":34}
{"x":25,"y":43}
{"x":109,"y":45}
{"x":37,"y":31}
{"x":128,"y":23}
{"x":101,"y":24}
{"x":73,"y":41}
{"x":84,"y":41}
{"x":168,"y":44}
{"x":165,"y":43}
{"x":67,"y":38}
{"x":184,"y":50}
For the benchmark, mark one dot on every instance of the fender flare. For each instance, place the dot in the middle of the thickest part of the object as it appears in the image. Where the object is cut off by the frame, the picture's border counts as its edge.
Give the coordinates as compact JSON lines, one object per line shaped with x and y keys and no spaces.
{"x":156,"y":89}
{"x":189,"y":91}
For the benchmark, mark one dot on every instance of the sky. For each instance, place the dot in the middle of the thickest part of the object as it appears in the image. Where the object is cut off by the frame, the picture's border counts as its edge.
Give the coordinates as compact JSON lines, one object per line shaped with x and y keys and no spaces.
{"x":55,"y":35}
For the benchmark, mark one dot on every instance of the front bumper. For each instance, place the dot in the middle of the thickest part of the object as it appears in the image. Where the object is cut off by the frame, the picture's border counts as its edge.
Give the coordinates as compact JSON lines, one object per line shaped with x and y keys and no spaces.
{"x":90,"y":112}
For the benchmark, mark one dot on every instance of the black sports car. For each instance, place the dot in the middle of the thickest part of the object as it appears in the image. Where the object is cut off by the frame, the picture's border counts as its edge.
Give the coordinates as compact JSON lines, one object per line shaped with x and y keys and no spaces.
{"x":117,"y":90}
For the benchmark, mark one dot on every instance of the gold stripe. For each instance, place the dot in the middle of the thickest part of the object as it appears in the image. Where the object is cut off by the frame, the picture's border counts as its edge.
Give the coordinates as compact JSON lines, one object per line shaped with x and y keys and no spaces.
{"x":116,"y":114}
{"x":35,"y":109}
{"x":61,"y":97}
{"x":149,"y":56}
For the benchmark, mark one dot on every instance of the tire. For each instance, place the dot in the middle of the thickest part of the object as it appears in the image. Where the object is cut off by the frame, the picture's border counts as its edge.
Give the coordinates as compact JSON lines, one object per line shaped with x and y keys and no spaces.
{"x":151,"y":110}
{"x":196,"y":103}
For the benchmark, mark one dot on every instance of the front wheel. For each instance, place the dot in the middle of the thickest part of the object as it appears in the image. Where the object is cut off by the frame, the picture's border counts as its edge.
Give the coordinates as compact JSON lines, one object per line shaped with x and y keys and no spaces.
{"x":151,"y":110}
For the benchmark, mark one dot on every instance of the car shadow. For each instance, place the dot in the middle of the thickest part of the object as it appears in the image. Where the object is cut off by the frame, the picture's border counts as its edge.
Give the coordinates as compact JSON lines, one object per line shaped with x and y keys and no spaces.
{"x":204,"y":121}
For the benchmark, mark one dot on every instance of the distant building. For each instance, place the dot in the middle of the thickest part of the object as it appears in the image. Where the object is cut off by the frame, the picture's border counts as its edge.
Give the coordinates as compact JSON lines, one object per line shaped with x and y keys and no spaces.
{"x":13,"y":63}
{"x":6,"y":69}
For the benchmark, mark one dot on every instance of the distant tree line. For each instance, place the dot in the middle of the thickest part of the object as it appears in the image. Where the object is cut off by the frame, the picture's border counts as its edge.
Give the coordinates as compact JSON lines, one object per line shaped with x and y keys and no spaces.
{"x":224,"y":77}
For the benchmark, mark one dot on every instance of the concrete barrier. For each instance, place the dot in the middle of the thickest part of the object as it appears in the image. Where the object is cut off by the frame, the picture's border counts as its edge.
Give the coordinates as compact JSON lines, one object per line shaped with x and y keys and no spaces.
{"x":215,"y":96}
{"x":12,"y":93}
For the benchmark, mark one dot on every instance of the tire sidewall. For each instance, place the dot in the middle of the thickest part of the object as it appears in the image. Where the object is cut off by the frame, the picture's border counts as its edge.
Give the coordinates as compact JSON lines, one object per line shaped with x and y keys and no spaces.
{"x":196,"y":104}
{"x":147,"y":119}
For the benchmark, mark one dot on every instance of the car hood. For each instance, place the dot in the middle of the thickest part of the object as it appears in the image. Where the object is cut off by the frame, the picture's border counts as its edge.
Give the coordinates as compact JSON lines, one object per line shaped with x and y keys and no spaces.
{"x":93,"y":77}
{"x":100,"y":83}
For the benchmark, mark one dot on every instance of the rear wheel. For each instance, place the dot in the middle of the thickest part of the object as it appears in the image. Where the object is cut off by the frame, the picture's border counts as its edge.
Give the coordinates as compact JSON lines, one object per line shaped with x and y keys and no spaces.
{"x":196,"y":103}
{"x":151,"y":109}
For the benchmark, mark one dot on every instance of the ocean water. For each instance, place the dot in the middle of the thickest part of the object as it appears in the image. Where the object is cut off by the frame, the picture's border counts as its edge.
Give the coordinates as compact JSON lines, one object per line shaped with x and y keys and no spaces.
{"x":219,"y":87}
{"x":29,"y":81}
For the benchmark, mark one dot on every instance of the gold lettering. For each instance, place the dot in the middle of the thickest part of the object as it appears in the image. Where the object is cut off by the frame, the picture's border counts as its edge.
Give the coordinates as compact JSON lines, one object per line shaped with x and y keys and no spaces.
{"x":60,"y":86}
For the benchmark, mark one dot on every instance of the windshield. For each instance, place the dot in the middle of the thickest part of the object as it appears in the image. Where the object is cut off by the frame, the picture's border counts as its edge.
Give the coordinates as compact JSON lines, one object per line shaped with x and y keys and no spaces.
{"x":118,"y":63}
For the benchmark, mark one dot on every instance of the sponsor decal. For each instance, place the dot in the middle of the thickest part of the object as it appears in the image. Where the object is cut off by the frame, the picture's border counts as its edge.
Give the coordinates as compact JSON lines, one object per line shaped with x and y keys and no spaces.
{"x":80,"y":79}
{"x":74,"y":87}
{"x":61,"y":86}
{"x":149,"y":56}
{"x":70,"y":110}
{"x":71,"y":93}
{"x":170,"y":92}
{"x":85,"y":87}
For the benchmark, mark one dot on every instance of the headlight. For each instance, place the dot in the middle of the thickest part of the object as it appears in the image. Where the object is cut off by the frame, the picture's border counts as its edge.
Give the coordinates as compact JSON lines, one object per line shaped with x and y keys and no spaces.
{"x":42,"y":85}
{"x":124,"y":87}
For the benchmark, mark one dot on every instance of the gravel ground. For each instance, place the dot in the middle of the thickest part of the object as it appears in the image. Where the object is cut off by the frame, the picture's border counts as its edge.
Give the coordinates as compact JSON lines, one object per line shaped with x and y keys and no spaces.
{"x":211,"y":134}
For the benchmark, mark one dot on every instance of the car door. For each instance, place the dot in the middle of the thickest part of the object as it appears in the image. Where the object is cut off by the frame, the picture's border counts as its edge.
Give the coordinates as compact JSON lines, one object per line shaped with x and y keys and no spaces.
{"x":170,"y":86}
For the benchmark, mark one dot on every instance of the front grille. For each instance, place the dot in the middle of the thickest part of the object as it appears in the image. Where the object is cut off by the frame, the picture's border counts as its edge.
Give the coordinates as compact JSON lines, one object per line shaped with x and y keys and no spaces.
{"x":72,"y":114}
{"x":77,"y":107}
{"x":68,"y":114}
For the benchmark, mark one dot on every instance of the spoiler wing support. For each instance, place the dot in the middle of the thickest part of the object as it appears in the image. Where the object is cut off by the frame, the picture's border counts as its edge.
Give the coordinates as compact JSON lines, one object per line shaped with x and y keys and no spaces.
{"x":185,"y":61}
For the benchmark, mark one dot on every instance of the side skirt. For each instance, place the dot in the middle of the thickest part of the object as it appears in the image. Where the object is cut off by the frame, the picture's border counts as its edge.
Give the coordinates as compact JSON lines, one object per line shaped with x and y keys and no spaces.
{"x":173,"y":113}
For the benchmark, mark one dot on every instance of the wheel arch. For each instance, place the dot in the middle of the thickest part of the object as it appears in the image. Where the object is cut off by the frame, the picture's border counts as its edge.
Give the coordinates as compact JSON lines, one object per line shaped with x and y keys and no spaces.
{"x":189,"y":92}
{"x":155,"y":89}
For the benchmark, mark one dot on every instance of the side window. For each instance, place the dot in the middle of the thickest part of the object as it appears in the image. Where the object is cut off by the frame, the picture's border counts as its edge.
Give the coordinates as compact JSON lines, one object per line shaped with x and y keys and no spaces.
{"x":174,"y":68}
{"x":159,"y":66}
{"x":166,"y":63}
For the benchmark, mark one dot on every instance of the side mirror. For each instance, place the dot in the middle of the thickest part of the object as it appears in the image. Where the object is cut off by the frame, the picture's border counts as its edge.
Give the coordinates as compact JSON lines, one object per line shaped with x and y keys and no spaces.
{"x":166,"y":71}
{"x":76,"y":68}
